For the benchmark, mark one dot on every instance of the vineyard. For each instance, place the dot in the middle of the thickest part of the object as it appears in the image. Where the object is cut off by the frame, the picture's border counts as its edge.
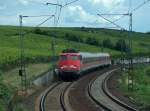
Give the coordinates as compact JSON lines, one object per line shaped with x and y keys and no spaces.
{"x":38,"y":43}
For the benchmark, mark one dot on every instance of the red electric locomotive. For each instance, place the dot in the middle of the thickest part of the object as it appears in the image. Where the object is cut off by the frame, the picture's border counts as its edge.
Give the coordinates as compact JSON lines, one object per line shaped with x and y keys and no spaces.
{"x":74,"y":63}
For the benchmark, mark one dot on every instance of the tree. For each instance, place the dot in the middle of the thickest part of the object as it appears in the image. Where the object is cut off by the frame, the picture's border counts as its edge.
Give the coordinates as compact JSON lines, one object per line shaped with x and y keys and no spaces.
{"x":72,"y":37}
{"x":108,"y":44}
{"x":92,"y":41}
{"x":37,"y":31}
{"x":1,"y":76}
{"x":121,"y":45}
{"x":148,"y":32}
{"x":83,"y":28}
{"x":41,"y":32}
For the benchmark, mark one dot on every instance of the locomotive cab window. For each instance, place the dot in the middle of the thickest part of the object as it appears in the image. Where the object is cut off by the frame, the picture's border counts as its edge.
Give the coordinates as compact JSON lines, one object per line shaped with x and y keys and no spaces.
{"x":63,"y":57}
{"x":72,"y":57}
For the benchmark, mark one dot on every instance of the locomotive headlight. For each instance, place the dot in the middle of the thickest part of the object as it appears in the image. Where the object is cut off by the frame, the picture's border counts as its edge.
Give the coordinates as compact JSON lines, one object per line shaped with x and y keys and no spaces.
{"x":72,"y":66}
{"x":64,"y":66}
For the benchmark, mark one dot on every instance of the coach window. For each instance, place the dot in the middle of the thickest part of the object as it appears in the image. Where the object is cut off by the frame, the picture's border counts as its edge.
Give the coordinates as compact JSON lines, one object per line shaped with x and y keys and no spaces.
{"x":74,"y":57}
{"x":63,"y":57}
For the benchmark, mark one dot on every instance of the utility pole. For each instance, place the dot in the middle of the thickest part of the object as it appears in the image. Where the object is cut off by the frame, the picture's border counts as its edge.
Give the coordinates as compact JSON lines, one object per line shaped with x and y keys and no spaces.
{"x":149,"y":53}
{"x":116,"y":26}
{"x":130,"y":55}
{"x":53,"y":38}
{"x":53,"y":54}
{"x":22,"y":71}
{"x":102,"y":47}
{"x":56,"y":20}
{"x":130,"y":61}
{"x":79,"y":41}
{"x":122,"y":52}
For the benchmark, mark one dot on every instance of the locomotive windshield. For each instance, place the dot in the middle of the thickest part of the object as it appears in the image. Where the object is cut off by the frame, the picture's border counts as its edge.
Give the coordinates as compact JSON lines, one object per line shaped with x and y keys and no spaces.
{"x":63,"y":57}
{"x":73,"y":57}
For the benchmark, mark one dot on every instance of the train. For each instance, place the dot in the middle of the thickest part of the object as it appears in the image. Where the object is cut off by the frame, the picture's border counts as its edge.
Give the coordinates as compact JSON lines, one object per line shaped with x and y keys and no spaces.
{"x":74,"y":63}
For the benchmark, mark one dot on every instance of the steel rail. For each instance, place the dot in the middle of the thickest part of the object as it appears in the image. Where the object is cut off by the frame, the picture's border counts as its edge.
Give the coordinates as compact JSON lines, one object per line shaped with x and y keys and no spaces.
{"x":113,"y":98}
{"x":108,"y":94}
{"x":42,"y":100}
{"x":62,"y":96}
{"x":92,"y":97}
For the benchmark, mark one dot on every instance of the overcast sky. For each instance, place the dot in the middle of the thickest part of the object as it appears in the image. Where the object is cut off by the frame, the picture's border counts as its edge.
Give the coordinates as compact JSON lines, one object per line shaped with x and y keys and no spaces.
{"x":81,"y":13}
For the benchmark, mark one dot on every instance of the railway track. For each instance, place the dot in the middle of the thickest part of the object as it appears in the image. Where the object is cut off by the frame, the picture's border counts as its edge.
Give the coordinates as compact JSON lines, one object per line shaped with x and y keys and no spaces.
{"x":104,"y":98}
{"x":53,"y":99}
{"x":79,"y":96}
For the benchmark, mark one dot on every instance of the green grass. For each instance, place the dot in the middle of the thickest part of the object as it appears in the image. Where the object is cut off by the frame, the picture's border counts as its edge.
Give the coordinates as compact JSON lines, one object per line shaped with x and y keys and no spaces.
{"x":10,"y":82}
{"x":141,"y":92}
{"x":5,"y":94}
{"x":13,"y":79}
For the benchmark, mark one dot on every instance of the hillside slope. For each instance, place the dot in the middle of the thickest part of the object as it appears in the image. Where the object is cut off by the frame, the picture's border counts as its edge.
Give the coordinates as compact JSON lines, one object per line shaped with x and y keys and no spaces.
{"x":38,"y":42}
{"x":36,"y":45}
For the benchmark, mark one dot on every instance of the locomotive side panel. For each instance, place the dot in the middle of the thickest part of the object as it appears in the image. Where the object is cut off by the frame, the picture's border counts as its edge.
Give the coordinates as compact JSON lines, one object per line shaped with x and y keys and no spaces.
{"x":90,"y":60}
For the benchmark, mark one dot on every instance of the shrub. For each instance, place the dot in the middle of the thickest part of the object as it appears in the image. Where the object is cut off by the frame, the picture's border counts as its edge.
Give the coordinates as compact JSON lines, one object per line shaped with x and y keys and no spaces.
{"x":5,"y":93}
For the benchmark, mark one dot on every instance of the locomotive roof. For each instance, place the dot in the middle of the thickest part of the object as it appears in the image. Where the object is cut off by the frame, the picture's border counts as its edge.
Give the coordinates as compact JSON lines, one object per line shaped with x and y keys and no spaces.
{"x":69,"y":54}
{"x":70,"y":51}
{"x":88,"y":54}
